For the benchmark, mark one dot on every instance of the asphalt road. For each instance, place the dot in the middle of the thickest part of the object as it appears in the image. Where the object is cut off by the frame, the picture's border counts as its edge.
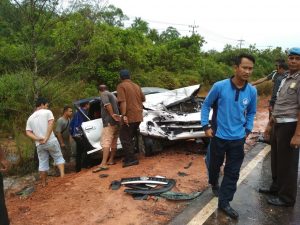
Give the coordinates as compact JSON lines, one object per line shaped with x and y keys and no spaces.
{"x":251,"y":205}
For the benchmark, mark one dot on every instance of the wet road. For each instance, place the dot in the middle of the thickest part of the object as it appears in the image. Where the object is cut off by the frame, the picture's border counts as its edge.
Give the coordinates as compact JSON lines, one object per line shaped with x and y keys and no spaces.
{"x":251,"y":205}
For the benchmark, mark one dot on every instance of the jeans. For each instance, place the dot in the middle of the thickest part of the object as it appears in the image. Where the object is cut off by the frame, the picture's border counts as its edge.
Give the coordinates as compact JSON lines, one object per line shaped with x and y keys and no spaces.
{"x":234,"y":150}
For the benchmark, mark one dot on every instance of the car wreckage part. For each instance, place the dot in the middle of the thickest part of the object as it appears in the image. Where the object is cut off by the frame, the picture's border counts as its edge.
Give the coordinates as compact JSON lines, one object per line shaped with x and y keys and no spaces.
{"x":144,"y":180}
{"x":164,"y":188}
{"x":179,"y":196}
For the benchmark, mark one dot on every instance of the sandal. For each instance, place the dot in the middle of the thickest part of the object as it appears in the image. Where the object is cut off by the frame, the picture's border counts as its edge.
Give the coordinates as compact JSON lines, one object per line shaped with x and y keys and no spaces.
{"x":100,"y":169}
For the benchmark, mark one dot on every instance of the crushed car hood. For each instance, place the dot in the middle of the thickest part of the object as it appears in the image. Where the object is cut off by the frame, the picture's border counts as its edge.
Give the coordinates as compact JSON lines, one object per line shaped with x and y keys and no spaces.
{"x":161,"y":101}
{"x":173,"y":115}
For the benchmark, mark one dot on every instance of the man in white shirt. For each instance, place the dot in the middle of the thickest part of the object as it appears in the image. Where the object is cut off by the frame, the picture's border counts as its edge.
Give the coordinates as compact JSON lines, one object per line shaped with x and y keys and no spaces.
{"x":39,"y":128}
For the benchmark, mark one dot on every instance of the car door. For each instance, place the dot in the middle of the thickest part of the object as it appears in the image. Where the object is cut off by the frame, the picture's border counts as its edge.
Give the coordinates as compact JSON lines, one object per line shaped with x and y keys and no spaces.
{"x":92,"y":130}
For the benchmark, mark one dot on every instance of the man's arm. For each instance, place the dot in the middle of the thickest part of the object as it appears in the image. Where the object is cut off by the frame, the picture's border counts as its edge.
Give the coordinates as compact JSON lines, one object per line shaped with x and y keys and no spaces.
{"x":205,"y":110}
{"x":30,"y":134}
{"x":49,"y":131}
{"x":58,"y":133}
{"x":251,"y":111}
{"x":122,"y":103}
{"x":110,"y":111}
{"x":259,"y":81}
{"x":142,"y":96}
{"x":295,"y":142}
{"x":60,"y":139}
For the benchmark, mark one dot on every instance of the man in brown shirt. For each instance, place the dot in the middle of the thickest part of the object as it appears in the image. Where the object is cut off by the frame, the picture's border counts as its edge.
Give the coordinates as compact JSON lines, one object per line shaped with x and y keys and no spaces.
{"x":130,"y":98}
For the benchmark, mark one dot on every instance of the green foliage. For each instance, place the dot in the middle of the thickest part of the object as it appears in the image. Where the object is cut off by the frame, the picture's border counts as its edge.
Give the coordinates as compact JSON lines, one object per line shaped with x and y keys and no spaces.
{"x":265,"y":89}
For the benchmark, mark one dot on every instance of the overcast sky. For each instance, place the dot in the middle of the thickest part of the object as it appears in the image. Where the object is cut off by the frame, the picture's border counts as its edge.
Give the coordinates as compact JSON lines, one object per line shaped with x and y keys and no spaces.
{"x":266,"y":23}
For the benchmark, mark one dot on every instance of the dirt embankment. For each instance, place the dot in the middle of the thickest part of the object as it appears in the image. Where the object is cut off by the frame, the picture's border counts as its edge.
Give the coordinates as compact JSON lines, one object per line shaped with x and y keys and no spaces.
{"x":86,"y":199}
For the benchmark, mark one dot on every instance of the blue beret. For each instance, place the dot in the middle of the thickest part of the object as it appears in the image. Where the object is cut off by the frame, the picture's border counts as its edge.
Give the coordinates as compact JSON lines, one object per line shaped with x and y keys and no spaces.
{"x":124,"y":74}
{"x":294,"y":51}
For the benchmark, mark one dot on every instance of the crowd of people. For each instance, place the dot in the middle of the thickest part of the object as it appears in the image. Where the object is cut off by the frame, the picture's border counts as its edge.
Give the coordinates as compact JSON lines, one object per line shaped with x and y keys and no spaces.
{"x":233,"y":101}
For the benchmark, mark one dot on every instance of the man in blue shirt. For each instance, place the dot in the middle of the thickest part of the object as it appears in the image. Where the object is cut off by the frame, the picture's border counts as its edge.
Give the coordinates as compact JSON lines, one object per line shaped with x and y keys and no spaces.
{"x":77,"y":135}
{"x":234,"y":106}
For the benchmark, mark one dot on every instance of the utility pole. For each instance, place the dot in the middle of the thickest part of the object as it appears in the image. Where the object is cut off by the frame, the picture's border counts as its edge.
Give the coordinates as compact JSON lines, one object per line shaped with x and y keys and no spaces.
{"x":194,"y":26}
{"x":240,"y":42}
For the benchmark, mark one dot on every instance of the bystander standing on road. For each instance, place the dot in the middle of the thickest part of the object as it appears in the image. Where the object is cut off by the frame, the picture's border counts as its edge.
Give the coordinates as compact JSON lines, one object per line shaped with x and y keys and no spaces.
{"x":281,"y":73}
{"x":39,"y":128}
{"x":285,"y":139}
{"x":276,"y":76}
{"x":4,"y":164}
{"x":62,"y":132}
{"x":130,"y":98}
{"x":110,"y":117}
{"x":77,"y":135}
{"x":234,"y":106}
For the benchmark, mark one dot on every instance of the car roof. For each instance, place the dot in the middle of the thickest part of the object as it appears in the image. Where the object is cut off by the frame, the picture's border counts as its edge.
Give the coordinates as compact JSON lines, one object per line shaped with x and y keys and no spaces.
{"x":153,"y":90}
{"x":90,"y":100}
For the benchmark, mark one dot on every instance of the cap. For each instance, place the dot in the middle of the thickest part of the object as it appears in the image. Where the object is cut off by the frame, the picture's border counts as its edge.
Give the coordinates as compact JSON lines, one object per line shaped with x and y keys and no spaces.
{"x":294,"y":51}
{"x":124,"y":74}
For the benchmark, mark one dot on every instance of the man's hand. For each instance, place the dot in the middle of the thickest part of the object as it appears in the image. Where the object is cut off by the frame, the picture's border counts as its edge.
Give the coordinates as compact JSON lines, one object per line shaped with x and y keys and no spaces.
{"x":116,"y":117}
{"x":125,"y":120}
{"x":42,"y":140}
{"x":209,"y":133}
{"x":295,"y":142}
{"x":267,"y":132}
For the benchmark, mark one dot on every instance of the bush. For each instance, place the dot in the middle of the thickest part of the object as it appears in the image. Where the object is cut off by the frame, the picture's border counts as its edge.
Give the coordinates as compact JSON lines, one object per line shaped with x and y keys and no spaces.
{"x":265,"y":88}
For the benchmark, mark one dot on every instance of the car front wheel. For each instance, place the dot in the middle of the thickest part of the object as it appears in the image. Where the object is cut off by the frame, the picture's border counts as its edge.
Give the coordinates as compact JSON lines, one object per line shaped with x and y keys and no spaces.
{"x":148,"y":145}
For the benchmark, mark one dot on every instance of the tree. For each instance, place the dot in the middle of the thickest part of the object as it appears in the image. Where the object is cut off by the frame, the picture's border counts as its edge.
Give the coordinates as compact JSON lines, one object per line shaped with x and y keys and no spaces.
{"x":140,"y":25}
{"x":113,"y":16}
{"x":169,"y":34}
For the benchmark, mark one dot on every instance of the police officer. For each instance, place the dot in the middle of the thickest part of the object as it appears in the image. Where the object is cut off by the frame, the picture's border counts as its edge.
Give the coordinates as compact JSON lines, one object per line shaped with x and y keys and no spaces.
{"x":286,"y":137}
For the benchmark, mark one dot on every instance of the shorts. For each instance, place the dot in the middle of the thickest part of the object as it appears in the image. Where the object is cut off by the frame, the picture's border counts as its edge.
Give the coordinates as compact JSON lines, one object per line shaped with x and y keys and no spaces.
{"x":50,"y":148}
{"x":109,"y":136}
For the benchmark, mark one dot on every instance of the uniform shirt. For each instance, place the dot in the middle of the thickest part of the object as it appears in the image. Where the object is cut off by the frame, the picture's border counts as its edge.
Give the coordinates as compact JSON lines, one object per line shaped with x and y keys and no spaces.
{"x":38,"y":124}
{"x":277,"y":81}
{"x":234,"y":109}
{"x":287,"y":104}
{"x":132,"y":94}
{"x":106,"y":99}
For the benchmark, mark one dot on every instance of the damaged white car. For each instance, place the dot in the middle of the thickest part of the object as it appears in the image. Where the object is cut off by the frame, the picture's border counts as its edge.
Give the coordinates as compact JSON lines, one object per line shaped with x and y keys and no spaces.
{"x":169,"y":115}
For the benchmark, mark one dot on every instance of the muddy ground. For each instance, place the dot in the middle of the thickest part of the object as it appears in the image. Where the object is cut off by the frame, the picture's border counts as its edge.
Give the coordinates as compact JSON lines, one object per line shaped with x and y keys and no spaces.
{"x":85,"y":198}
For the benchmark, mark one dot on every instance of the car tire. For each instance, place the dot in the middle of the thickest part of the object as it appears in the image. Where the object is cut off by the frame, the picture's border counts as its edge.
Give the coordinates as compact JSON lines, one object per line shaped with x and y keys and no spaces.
{"x":148,"y":145}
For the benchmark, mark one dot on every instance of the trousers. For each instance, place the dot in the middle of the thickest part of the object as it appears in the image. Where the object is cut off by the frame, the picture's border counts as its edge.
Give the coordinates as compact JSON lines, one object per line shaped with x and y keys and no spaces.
{"x":285,"y":161}
{"x":127,"y":135}
{"x":3,"y":211}
{"x":234,"y":150}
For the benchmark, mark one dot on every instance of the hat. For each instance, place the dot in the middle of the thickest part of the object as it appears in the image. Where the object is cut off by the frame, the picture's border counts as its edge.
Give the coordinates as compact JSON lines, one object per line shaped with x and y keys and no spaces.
{"x":124,"y":74}
{"x":294,"y":51}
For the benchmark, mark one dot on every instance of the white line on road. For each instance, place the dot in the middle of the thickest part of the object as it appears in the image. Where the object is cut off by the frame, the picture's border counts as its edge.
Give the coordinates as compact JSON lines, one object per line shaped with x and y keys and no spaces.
{"x":212,"y":205}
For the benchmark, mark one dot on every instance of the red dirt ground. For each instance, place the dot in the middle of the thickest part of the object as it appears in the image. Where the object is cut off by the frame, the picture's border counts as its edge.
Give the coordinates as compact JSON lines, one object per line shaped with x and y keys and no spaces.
{"x":85,"y":199}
